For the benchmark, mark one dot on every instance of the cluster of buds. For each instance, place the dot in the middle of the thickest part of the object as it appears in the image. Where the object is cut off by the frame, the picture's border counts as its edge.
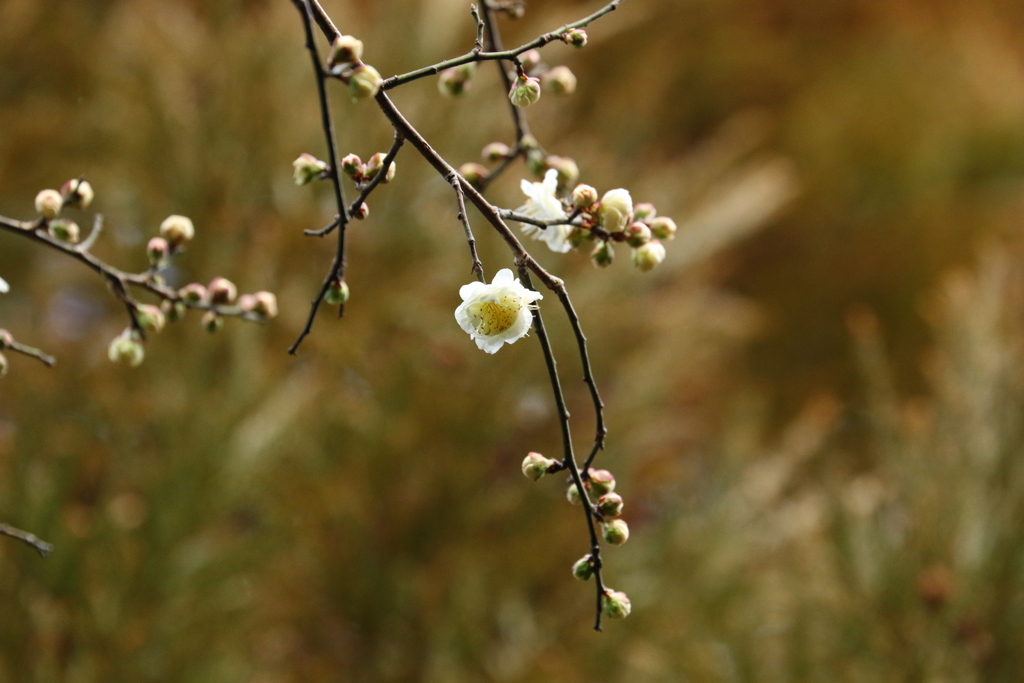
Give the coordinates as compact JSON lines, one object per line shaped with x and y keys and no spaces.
{"x":455,"y":81}
{"x":533,"y":76}
{"x":360,"y":173}
{"x":599,"y":486}
{"x":345,"y":63}
{"x":49,"y":204}
{"x":616,"y":219}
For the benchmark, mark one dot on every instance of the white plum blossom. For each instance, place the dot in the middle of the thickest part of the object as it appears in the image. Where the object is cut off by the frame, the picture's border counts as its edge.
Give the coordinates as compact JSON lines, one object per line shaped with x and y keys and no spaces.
{"x":4,"y":287}
{"x":542,"y":203}
{"x":498,"y":313}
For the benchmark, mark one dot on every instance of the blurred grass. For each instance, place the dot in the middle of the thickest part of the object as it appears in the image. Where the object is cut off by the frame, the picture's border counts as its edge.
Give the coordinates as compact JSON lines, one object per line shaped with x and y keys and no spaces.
{"x":815,"y":493}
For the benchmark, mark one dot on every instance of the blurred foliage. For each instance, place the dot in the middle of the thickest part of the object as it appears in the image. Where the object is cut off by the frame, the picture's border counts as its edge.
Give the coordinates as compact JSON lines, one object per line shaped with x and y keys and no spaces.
{"x":803,"y":508}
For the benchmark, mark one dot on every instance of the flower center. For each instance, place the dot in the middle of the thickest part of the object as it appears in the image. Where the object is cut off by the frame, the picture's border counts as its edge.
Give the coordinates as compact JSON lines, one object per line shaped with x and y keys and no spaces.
{"x":494,"y":317}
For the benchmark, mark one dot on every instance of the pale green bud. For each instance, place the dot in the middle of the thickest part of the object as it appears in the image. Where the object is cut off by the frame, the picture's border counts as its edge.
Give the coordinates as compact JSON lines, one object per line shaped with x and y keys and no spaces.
{"x":603,"y":254}
{"x":610,"y":505}
{"x":126,"y":348}
{"x":615,"y":531}
{"x":583,"y":569}
{"x":49,"y":203}
{"x":536,"y":163}
{"x":345,"y":49}
{"x":615,"y":604}
{"x":194,"y":293}
{"x":173,"y":310}
{"x":664,"y":228}
{"x":559,"y":81}
{"x":374,"y":165}
{"x":637,"y":234}
{"x":530,"y":60}
{"x":77,"y":193}
{"x":64,"y":230}
{"x":650,"y":255}
{"x":352,"y":166}
{"x":572,"y":494}
{"x":568,"y":171}
{"x":307,"y":169}
{"x":583,"y":197}
{"x":525,"y":91}
{"x":150,"y":318}
{"x":337,"y":293}
{"x":536,"y":466}
{"x":579,"y":237}
{"x":157,"y":251}
{"x":177,"y":230}
{"x":475,"y":174}
{"x":449,"y":83}
{"x":616,"y":211}
{"x":222,"y":291}
{"x":364,"y":82}
{"x":645,"y":212}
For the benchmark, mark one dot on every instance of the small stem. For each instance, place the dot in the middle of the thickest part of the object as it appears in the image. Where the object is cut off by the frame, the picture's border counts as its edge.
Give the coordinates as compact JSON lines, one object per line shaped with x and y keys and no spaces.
{"x":31,"y":352}
{"x":41,"y":546}
{"x":478,"y":46}
{"x":478,"y":267}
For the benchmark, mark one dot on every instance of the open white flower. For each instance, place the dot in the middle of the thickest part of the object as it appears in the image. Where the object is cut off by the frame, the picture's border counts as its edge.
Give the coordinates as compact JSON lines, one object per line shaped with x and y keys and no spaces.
{"x":542,"y":203}
{"x":4,"y":287}
{"x":498,"y":313}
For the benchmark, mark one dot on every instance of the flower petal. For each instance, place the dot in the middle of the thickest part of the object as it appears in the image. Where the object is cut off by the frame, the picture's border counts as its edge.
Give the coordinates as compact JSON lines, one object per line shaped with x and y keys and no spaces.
{"x":467,"y":292}
{"x":503,"y":277}
{"x":4,"y":287}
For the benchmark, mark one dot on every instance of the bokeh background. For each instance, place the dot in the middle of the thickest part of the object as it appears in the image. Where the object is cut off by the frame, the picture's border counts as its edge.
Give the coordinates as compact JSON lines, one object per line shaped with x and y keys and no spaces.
{"x":815,"y":403}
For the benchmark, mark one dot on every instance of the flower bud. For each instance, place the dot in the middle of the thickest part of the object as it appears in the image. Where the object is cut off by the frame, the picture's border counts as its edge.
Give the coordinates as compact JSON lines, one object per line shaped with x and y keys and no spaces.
{"x":177,"y":230}
{"x":212,"y":321}
{"x":193,"y":293}
{"x":376,"y":163}
{"x":572,"y":494}
{"x":352,"y":166}
{"x":157,"y":251}
{"x":649,"y":255}
{"x":150,"y":318}
{"x":579,"y":237}
{"x":615,"y":531}
{"x":64,"y":230}
{"x":6,"y":339}
{"x":568,"y":171}
{"x":362,"y":211}
{"x":644,"y":211}
{"x":451,"y":84}
{"x":601,"y":482}
{"x":364,"y":82}
{"x":583,"y":569}
{"x":616,"y":210}
{"x":664,"y":228}
{"x":126,"y":348}
{"x":77,"y":193}
{"x":615,"y":604}
{"x":307,"y":169}
{"x":583,"y":197}
{"x":475,"y":174}
{"x":345,"y":49}
{"x":603,"y":254}
{"x":576,"y":37}
{"x":3,"y":365}
{"x":525,"y":91}
{"x":173,"y":310}
{"x":529,"y":143}
{"x":49,"y":203}
{"x":265,"y":304}
{"x":222,"y":291}
{"x":536,"y":466}
{"x":337,"y":293}
{"x":496,"y":151}
{"x":530,"y":60}
{"x":610,"y":505}
{"x":637,"y":234}
{"x":559,"y":81}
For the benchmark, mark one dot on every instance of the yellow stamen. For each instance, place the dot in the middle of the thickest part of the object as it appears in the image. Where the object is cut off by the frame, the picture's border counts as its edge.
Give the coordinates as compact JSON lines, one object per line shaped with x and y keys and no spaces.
{"x":492,"y":317}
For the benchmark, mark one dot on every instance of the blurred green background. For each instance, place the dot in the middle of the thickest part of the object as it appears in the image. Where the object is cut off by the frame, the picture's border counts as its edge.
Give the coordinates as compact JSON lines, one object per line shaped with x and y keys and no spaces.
{"x":815,"y":402}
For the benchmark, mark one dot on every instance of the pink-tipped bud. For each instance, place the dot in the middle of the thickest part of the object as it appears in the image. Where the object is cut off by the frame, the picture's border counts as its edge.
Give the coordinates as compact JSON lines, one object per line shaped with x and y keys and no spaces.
{"x":644,"y":211}
{"x":664,"y":228}
{"x":525,"y":91}
{"x":157,"y":251}
{"x":576,"y":37}
{"x":6,"y":339}
{"x":583,"y":197}
{"x":265,"y":304}
{"x":212,"y":322}
{"x":173,"y":310}
{"x":150,"y":317}
{"x":194,"y":293}
{"x":308,"y":168}
{"x":475,"y":174}
{"x":615,"y":532}
{"x":536,"y":466}
{"x":177,"y":230}
{"x":603,"y":255}
{"x":362,"y":211}
{"x":344,"y":50}
{"x":637,"y":234}
{"x":615,"y":604}
{"x":530,"y":60}
{"x":375,"y":164}
{"x":559,"y":81}
{"x":222,"y":291}
{"x":77,"y":193}
{"x":610,"y":505}
{"x":601,"y":482}
{"x":649,"y":256}
{"x":352,"y":166}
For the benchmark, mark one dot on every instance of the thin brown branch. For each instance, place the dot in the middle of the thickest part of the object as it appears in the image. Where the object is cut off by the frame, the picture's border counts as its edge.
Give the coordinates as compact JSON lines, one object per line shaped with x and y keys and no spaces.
{"x":460,"y":198}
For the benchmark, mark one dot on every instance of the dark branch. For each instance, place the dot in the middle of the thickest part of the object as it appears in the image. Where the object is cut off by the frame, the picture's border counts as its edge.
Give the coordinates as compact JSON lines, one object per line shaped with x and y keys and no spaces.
{"x":460,"y":198}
